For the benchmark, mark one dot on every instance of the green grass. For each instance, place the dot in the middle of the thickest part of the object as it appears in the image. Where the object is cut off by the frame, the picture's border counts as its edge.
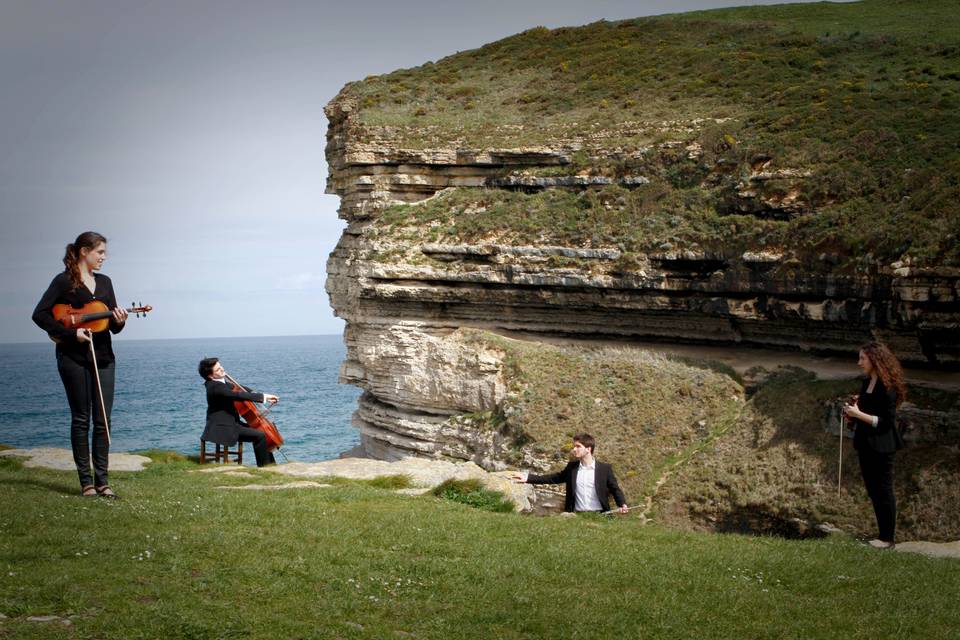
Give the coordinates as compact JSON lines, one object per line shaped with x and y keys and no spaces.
{"x":391,"y":482}
{"x":642,"y":407}
{"x":471,"y":492}
{"x":681,"y":431}
{"x":177,"y":558}
{"x":777,"y":463}
{"x":862,"y":97}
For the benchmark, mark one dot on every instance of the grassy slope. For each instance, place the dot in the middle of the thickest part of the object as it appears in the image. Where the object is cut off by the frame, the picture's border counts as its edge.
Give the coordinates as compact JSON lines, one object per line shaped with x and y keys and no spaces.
{"x":862,"y":95}
{"x":729,"y":465}
{"x":353,"y":561}
{"x":644,"y":409}
{"x":779,"y":464}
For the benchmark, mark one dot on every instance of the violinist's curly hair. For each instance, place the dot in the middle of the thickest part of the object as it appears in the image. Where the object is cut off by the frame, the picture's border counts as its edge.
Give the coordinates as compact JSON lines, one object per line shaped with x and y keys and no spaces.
{"x":205,"y":368}
{"x":887,"y":367}
{"x":71,"y":258}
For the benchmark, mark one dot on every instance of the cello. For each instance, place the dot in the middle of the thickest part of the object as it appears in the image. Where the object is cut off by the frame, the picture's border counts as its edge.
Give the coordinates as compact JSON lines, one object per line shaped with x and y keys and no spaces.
{"x":255,"y":418}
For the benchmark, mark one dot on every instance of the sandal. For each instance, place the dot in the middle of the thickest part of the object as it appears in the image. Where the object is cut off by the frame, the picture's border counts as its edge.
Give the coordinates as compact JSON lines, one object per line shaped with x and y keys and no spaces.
{"x":88,"y":491}
{"x":106,"y":492}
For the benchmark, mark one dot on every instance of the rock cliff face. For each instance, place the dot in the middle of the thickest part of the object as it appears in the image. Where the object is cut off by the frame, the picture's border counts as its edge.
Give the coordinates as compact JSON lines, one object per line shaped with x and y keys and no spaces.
{"x":403,"y":296}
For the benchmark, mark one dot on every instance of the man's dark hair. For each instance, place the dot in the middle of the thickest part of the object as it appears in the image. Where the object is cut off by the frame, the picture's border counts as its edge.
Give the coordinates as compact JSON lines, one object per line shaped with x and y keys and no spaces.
{"x":206,"y":367}
{"x":586,"y":440}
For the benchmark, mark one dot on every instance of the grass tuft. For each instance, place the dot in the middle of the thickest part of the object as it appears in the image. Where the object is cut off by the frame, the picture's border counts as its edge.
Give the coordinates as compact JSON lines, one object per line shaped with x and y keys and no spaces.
{"x":472,"y":492}
{"x":394,"y":482}
{"x":164,"y":456}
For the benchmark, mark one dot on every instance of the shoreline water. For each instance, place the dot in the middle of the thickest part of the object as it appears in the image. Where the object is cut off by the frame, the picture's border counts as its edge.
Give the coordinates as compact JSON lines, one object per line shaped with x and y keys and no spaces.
{"x":159,"y":401}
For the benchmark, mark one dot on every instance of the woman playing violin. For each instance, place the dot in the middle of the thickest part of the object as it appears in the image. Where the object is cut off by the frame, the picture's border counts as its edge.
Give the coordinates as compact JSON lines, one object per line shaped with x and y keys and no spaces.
{"x":223,"y":419}
{"x":76,"y":286}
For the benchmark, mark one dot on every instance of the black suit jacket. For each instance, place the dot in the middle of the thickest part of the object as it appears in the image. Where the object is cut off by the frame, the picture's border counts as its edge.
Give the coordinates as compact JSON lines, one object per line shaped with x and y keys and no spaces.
{"x":223,"y":420}
{"x":885,"y":437}
{"x":604,"y":481}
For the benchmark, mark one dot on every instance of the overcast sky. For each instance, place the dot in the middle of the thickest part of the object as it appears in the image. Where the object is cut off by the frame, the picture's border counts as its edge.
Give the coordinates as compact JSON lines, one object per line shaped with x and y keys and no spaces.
{"x":191,"y":134}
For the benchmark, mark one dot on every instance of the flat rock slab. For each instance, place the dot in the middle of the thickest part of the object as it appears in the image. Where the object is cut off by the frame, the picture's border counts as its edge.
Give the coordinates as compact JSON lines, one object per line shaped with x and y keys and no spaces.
{"x":424,"y":473}
{"x":62,"y":459}
{"x":233,"y":471}
{"x":300,"y":484}
{"x":932,"y":549}
{"x":63,"y":621}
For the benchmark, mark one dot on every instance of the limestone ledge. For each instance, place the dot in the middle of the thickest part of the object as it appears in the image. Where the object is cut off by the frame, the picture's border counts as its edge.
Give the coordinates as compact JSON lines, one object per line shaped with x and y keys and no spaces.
{"x":424,"y":474}
{"x":422,"y":386}
{"x":62,"y":459}
{"x":676,"y":294}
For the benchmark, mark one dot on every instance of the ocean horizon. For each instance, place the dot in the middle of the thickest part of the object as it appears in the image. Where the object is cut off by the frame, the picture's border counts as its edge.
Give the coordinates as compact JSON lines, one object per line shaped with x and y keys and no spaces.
{"x":160,"y":402}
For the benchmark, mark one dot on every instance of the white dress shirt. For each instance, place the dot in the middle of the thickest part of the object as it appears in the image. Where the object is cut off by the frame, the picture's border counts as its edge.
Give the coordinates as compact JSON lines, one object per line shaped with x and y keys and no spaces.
{"x":587,"y":499}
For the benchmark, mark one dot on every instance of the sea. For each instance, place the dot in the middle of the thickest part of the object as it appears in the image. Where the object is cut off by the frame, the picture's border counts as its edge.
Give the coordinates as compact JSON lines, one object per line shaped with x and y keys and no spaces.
{"x":160,"y":402}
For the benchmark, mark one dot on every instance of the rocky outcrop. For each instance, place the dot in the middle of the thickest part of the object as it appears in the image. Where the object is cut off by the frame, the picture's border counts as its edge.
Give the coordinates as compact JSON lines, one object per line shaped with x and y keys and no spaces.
{"x":404,"y":295}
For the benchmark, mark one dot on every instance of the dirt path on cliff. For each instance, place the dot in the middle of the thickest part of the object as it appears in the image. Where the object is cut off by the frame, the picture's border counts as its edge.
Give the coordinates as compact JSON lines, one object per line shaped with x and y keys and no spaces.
{"x":742,"y":359}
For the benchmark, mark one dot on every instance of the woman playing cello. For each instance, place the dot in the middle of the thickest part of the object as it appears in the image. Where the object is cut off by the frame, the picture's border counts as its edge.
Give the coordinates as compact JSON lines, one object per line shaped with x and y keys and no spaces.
{"x":77,"y":285}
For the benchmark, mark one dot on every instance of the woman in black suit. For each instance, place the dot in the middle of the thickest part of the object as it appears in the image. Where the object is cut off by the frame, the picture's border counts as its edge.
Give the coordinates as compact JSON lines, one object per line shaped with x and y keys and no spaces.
{"x":876,"y":437}
{"x":78,"y":285}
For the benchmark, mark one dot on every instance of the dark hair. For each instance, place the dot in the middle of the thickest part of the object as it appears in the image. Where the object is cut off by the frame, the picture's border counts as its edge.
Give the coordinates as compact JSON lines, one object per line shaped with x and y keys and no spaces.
{"x":205,"y":368}
{"x":586,"y":440}
{"x":887,"y":367}
{"x":71,"y":257}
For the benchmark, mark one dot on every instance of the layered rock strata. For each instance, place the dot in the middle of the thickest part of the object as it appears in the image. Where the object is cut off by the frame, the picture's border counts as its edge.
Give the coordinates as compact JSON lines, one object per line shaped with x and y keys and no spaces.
{"x":403,"y":297}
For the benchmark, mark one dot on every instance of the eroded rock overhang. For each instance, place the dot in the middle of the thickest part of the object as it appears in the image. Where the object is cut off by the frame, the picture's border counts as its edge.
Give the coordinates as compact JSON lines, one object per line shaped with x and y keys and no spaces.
{"x":403,"y":296}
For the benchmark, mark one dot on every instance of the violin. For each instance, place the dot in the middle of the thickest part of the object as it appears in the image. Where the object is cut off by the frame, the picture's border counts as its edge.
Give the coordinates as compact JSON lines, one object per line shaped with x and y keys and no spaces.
{"x":94,"y":316}
{"x":255,"y":418}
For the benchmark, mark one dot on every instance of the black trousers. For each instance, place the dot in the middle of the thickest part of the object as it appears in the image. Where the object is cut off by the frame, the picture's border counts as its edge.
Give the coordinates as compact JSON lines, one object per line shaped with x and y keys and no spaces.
{"x":259,"y":440}
{"x":877,"y":470}
{"x":80,"y":383}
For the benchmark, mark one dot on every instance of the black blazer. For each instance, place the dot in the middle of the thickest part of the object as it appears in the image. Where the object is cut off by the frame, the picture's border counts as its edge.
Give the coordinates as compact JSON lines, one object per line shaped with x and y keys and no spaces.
{"x":604,"y":481}
{"x":885,"y":437}
{"x":223,"y":419}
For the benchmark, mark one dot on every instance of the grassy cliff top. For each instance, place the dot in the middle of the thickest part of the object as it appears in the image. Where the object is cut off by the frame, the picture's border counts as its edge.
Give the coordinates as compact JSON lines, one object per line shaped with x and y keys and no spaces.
{"x":179,"y":558}
{"x":812,"y":69}
{"x":860,"y":100}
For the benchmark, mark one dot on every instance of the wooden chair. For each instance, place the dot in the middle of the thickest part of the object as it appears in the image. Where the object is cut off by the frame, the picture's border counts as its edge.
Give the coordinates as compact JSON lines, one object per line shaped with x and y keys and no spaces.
{"x":221,"y":452}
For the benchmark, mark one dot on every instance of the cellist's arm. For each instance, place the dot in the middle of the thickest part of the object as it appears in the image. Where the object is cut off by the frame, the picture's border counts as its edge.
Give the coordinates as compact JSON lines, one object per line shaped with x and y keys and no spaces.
{"x":267,"y":397}
{"x":224,"y":391}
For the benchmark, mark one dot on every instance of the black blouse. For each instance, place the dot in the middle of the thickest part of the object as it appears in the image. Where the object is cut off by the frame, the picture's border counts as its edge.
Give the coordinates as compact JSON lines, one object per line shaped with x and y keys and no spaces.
{"x":62,"y":291}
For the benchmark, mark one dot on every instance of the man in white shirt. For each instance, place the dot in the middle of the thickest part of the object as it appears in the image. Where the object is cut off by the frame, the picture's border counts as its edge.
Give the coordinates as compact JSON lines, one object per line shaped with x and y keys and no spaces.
{"x":589,"y":482}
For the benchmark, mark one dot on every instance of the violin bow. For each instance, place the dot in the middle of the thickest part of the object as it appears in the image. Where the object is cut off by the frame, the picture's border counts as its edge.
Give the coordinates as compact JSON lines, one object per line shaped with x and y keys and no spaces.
{"x":96,"y":373}
{"x":230,"y":378}
{"x":263,"y":413}
{"x":613,"y":512}
{"x":840,"y":465}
